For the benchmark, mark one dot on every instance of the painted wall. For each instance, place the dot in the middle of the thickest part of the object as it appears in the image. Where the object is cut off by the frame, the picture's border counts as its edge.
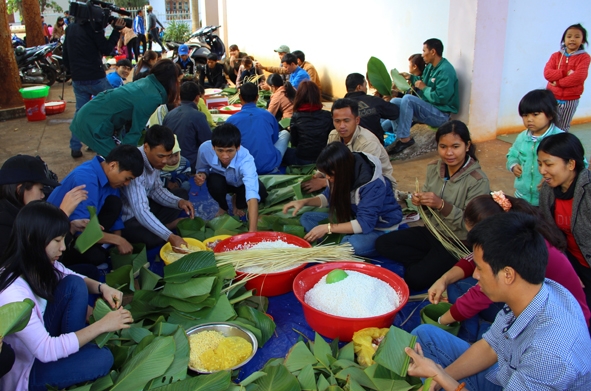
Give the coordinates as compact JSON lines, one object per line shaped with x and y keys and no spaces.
{"x":337,"y":37}
{"x":534,"y":29}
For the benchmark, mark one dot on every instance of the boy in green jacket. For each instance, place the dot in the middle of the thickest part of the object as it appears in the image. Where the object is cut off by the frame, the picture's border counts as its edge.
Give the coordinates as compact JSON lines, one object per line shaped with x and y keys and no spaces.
{"x":438,"y":95}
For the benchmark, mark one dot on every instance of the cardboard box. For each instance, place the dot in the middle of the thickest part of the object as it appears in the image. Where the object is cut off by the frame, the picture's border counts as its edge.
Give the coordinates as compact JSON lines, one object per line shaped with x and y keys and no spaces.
{"x":215,"y":102}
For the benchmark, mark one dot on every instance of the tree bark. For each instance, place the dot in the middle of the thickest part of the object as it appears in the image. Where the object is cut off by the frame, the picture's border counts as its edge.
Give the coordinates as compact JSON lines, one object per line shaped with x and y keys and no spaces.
{"x":11,"y":82}
{"x":33,"y":26}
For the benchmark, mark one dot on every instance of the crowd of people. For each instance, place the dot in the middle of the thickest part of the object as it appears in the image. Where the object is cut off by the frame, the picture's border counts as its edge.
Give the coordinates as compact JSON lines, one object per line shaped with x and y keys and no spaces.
{"x":522,"y":294}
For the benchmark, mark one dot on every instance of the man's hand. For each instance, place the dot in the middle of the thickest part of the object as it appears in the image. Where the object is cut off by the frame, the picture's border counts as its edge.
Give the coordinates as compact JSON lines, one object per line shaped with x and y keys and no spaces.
{"x":200,"y":178}
{"x":73,"y":198}
{"x":124,"y":246}
{"x":296,"y":205}
{"x":177,"y":242}
{"x":260,"y":66}
{"x":437,"y":290}
{"x":119,"y":24}
{"x":517,"y":170}
{"x":406,"y":75}
{"x":420,"y":85}
{"x":314,"y":184}
{"x":188,"y":207}
{"x":78,"y":225}
{"x":427,"y":199}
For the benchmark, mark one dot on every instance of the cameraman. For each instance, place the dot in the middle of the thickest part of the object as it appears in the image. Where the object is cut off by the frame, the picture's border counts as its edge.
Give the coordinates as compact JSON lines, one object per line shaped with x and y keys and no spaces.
{"x":84,"y":47}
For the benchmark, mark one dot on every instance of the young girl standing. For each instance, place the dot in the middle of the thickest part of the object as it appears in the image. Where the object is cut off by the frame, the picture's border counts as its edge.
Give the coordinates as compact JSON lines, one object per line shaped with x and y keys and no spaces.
{"x":538,"y":111}
{"x":566,"y":72}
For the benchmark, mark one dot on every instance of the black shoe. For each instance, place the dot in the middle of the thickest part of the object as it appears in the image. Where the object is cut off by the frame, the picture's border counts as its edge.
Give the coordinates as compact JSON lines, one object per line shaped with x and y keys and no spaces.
{"x":76,"y":153}
{"x":400,"y":146}
{"x":88,"y":149}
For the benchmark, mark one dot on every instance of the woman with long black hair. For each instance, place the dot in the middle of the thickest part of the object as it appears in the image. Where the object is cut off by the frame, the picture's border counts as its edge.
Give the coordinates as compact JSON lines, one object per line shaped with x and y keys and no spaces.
{"x":360,"y":200}
{"x":281,"y":104}
{"x":55,"y":348}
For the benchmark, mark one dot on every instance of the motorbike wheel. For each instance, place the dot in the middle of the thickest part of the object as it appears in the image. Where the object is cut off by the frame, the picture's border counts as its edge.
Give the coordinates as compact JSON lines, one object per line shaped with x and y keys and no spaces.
{"x":49,"y":75}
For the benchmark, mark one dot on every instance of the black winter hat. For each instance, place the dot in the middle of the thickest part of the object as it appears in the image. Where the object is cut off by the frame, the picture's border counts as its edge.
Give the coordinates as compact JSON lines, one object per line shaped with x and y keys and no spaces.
{"x":24,"y":168}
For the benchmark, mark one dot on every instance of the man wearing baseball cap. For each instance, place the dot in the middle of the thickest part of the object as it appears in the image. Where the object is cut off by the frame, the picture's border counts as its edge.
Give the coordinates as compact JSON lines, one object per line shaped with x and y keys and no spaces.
{"x":281,"y":51}
{"x":186,"y":62}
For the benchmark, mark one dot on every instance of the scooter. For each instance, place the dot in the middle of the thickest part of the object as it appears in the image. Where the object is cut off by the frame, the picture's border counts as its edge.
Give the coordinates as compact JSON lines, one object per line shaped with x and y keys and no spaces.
{"x":201,"y":43}
{"x":36,"y":65}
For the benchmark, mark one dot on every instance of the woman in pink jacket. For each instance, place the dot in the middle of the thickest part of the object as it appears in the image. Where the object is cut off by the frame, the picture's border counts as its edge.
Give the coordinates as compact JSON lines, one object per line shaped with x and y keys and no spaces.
{"x":469,"y":301}
{"x":566,"y":72}
{"x":55,"y":348}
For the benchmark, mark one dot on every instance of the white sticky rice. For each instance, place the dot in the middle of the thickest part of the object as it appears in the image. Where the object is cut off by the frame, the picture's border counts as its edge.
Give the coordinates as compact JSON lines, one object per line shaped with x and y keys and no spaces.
{"x":357,"y":296}
{"x":266,"y":245}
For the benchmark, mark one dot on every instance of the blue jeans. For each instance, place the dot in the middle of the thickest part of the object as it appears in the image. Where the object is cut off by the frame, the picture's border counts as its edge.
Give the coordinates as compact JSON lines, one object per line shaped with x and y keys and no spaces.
{"x":84,"y":90}
{"x":363,"y":244}
{"x":471,"y":329}
{"x":444,"y":348}
{"x":415,"y":108}
{"x":282,"y":142}
{"x":67,"y":314}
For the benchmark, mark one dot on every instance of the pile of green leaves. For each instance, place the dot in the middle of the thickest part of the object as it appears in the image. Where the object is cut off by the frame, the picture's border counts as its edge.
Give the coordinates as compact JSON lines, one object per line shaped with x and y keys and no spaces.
{"x":319,"y":366}
{"x":381,"y":80}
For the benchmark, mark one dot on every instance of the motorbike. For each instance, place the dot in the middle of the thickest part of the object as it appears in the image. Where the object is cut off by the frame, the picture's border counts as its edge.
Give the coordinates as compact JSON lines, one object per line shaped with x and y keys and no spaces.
{"x":37,"y":65}
{"x":201,"y":43}
{"x":16,"y":41}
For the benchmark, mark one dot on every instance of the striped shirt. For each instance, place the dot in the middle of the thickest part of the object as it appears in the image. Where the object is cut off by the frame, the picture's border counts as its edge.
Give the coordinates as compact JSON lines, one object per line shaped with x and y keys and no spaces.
{"x":135,"y":199}
{"x":547,"y":347}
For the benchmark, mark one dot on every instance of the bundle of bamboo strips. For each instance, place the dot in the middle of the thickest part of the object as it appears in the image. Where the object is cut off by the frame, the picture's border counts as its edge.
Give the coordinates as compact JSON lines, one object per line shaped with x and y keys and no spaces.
{"x":443,"y":234}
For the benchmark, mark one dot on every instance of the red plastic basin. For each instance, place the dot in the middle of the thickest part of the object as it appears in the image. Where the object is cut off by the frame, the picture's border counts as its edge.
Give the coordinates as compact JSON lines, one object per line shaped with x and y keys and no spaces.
{"x":271,"y":284}
{"x":332,"y":326}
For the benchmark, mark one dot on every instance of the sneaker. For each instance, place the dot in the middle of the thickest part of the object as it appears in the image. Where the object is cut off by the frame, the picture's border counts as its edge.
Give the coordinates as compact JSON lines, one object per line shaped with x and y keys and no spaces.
{"x":400,"y":146}
{"x":76,"y":153}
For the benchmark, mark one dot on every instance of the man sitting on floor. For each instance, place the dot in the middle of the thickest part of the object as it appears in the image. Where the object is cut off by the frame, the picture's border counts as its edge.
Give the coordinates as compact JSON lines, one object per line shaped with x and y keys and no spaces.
{"x":308,"y":67}
{"x":296,"y":73}
{"x":230,"y":168}
{"x":213,"y":72}
{"x":345,"y":117}
{"x":260,"y":131}
{"x":150,"y":211}
{"x":438,"y":90}
{"x":371,"y":108}
{"x":186,"y":63}
{"x":188,"y":123}
{"x":103,"y":177}
{"x":538,"y":341}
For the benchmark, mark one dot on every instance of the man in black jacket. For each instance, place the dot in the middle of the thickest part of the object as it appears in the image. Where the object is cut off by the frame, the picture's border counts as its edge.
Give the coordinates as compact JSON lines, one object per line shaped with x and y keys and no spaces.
{"x":371,"y":108}
{"x":84,"y":47}
{"x":213,"y":72}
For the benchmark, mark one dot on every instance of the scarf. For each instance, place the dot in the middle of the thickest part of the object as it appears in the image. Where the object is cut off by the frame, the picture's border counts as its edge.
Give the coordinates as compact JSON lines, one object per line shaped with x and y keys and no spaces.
{"x":569,"y":193}
{"x":309,"y":107}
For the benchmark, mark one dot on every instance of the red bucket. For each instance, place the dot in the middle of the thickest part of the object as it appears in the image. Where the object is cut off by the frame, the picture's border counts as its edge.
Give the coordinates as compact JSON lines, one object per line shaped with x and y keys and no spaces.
{"x":35,"y":109}
{"x":332,"y":326}
{"x":270,"y":284}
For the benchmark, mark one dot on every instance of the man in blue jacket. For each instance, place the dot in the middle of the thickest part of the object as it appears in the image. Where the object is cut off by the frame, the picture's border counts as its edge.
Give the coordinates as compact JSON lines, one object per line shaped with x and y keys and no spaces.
{"x":139,"y":28}
{"x":297,"y":74}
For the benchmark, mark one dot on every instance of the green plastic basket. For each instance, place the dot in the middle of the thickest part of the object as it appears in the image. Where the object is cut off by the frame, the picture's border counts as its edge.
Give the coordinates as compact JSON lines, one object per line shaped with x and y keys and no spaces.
{"x":432,"y":312}
{"x":35,"y":92}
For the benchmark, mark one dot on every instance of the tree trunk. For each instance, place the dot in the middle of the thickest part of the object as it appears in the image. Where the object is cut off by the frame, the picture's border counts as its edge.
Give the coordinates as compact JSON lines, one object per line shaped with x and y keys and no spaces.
{"x":11,"y":82}
{"x":33,"y":26}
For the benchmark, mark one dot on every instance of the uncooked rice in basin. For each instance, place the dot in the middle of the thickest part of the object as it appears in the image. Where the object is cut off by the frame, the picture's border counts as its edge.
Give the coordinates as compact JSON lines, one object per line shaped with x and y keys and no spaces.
{"x":266,"y":245}
{"x":357,"y":296}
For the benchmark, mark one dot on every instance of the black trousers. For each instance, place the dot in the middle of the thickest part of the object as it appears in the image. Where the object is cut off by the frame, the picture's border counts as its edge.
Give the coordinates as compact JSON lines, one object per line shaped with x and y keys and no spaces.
{"x":134,"y":232}
{"x":423,"y":256}
{"x":218,"y":188}
{"x":95,"y":255}
{"x":133,"y":49}
{"x":6,"y":359}
{"x":584,"y":274}
{"x":142,"y":41}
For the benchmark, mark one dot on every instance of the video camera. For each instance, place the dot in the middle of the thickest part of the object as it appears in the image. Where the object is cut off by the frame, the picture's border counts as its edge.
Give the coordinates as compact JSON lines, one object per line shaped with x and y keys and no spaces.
{"x":98,"y":13}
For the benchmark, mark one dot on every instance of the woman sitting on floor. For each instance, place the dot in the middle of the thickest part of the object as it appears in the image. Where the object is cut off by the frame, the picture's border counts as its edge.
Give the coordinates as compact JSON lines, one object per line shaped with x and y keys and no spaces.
{"x":281,"y":104}
{"x":362,"y":205}
{"x":462,"y":290}
{"x":452,"y":182}
{"x":55,"y":348}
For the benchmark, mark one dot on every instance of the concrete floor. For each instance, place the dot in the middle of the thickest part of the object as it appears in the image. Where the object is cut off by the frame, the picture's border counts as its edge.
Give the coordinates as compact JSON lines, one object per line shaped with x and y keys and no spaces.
{"x":50,"y":138}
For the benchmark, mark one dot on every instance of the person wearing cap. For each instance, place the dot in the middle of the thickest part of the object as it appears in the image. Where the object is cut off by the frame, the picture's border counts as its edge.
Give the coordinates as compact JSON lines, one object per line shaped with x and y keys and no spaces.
{"x":213,"y":72}
{"x":122,"y":71}
{"x":22,"y":178}
{"x":153,"y":23}
{"x":177,"y":173}
{"x":296,"y":73}
{"x":281,"y":51}
{"x":188,"y":123}
{"x":103,"y":177}
{"x":186,"y":63}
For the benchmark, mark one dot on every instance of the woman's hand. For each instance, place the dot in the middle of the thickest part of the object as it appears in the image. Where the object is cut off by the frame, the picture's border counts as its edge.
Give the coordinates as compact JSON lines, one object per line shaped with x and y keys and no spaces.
{"x":437,"y":290}
{"x":73,"y":198}
{"x":314,"y":184}
{"x":112,"y":296}
{"x":116,"y":320}
{"x":317,"y":232}
{"x":427,"y":199}
{"x":296,"y":205}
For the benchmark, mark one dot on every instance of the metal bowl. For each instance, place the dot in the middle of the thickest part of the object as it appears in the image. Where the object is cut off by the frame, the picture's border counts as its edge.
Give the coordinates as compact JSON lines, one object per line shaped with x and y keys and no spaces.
{"x":229,"y":330}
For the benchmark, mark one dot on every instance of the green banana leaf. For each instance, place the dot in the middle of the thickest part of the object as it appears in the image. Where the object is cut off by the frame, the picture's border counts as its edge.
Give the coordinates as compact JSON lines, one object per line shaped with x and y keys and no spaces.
{"x":378,"y":76}
{"x":120,"y":278}
{"x":357,"y":374}
{"x":120,"y":355}
{"x":225,"y":221}
{"x":278,"y":379}
{"x":260,"y":321}
{"x":274,"y":181}
{"x":102,"y":383}
{"x":249,"y":326}
{"x":322,"y":383}
{"x":306,"y":378}
{"x":279,"y":195}
{"x":148,"y":339}
{"x":150,"y":363}
{"x":298,"y":357}
{"x":101,"y":308}
{"x":178,"y":368}
{"x":194,"y":287}
{"x":200,"y":262}
{"x":92,"y":233}
{"x":15,"y":317}
{"x":284,"y":123}
{"x":137,"y":258}
{"x":230,"y":91}
{"x":385,"y":379}
{"x":192,"y":228}
{"x":391,"y":354}
{"x":399,"y":80}
{"x":296,"y":230}
{"x":347,"y":352}
{"x":218,"y":381}
{"x":321,"y":350}
{"x":148,"y":279}
{"x":300,"y":212}
{"x":307,"y":169}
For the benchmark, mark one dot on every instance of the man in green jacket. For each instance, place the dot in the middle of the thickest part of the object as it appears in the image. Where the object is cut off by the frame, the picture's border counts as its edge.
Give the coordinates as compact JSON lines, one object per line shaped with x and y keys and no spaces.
{"x":438,"y":94}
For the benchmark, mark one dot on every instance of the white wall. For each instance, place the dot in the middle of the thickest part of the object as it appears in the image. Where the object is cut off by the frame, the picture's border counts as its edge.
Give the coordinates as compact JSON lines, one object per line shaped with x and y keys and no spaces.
{"x":534,"y":29}
{"x":338,"y":37}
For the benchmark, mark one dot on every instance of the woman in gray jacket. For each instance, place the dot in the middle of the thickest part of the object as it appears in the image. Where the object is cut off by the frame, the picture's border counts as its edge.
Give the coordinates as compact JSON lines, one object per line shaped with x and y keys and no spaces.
{"x":565,"y":198}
